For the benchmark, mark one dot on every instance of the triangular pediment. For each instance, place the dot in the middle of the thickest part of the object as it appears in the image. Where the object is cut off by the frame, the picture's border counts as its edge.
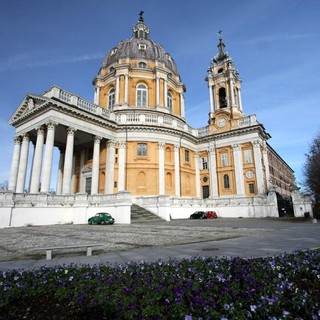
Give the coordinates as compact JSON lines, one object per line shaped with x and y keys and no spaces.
{"x":30,"y":103}
{"x":86,"y":169}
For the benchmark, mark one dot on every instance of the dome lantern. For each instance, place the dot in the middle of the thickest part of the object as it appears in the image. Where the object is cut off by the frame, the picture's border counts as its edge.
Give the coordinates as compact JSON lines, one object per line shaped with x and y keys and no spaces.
{"x":140,"y":30}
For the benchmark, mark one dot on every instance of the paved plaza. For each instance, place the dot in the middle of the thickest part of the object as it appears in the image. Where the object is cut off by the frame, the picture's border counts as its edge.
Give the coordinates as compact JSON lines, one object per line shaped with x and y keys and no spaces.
{"x":176,"y":239}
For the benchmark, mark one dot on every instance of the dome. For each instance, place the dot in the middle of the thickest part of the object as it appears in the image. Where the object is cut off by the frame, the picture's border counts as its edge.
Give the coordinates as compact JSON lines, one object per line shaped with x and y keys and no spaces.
{"x":139,"y":46}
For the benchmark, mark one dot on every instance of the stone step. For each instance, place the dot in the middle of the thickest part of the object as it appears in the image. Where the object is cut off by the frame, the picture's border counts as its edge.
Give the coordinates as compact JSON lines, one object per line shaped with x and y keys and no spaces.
{"x":140,"y":215}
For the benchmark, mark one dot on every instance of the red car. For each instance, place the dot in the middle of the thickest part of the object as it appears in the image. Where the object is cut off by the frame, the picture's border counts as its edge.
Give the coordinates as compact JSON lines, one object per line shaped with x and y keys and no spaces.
{"x":211,"y":215}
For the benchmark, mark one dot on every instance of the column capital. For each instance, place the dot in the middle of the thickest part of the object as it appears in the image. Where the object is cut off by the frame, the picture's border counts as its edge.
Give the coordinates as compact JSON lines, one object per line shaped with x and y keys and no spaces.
{"x":51,"y":125}
{"x":97,"y":139}
{"x":196,"y":155}
{"x":256,"y":143}
{"x":17,"y":140}
{"x":176,"y":147}
{"x":40,"y":130}
{"x":110,"y":144}
{"x":122,"y":144}
{"x":236,"y":147}
{"x":71,"y":130}
{"x":161,"y":145}
{"x":211,"y":150}
{"x":25,"y":137}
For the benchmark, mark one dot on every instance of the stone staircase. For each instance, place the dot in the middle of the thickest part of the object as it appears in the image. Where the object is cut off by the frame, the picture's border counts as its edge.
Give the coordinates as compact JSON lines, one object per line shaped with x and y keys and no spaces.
{"x":141,"y":215}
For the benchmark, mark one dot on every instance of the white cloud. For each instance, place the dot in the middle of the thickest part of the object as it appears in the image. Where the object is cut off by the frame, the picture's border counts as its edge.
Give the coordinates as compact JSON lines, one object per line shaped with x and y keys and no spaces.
{"x":34,"y":60}
{"x":279,"y":37}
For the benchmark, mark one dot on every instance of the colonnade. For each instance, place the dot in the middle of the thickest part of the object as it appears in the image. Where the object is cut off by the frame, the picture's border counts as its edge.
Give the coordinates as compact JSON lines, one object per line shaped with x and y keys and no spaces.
{"x":42,"y":162}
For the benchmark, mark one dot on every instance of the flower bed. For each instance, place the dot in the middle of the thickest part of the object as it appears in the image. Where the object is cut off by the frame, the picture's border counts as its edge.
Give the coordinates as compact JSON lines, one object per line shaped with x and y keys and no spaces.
{"x":284,"y":287}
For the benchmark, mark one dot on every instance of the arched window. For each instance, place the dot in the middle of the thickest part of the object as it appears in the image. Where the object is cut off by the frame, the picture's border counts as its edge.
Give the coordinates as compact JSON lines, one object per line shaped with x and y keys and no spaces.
{"x":226,"y":182}
{"x":222,"y":98}
{"x":142,"y":65}
{"x":169,"y":101}
{"x":111,"y":96}
{"x":142,"y":94}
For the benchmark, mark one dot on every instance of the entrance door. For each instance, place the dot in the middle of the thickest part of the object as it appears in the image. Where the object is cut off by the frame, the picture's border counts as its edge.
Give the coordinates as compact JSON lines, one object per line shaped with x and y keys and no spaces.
{"x":205,"y":192}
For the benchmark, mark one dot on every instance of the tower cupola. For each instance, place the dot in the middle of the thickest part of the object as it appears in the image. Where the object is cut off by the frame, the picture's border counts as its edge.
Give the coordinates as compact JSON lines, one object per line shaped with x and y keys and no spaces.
{"x":224,"y":88}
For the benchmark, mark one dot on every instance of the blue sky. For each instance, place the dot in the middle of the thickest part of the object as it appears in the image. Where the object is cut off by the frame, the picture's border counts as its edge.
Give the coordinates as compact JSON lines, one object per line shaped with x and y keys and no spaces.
{"x":275,"y":45}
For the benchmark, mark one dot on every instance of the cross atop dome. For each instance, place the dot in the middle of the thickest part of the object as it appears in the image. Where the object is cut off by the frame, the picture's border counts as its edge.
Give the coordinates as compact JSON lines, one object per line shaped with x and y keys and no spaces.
{"x":141,"y":16}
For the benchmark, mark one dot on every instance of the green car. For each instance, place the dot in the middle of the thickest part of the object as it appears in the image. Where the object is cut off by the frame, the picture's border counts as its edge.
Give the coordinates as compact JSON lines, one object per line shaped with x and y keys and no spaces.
{"x":101,"y":218}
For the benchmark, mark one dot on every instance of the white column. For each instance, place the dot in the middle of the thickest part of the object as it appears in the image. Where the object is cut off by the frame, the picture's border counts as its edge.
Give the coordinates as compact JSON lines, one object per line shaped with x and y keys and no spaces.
{"x":231,"y":92}
{"x":95,"y":165}
{"x":109,"y":182}
{"x":213,"y":172}
{"x":240,"y":99}
{"x":14,"y":164}
{"x":22,"y":172}
{"x":67,"y":168}
{"x":48,"y":157}
{"x":81,"y":177}
{"x":258,"y":165}
{"x":238,"y":167}
{"x":126,"y":87}
{"x":122,"y":161}
{"x":177,"y":170}
{"x":158,"y":91}
{"x":196,"y":159}
{"x":182,"y":105}
{"x":96,"y":95}
{"x":73,"y":177}
{"x":37,"y":162}
{"x":161,"y":146}
{"x":211,"y":98}
{"x":117,"y":89}
{"x":60,"y":172}
{"x":165,"y":93}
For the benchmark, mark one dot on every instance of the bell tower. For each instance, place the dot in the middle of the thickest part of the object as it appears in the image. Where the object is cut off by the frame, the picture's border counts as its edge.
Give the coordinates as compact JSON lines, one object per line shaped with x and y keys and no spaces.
{"x":224,"y":86}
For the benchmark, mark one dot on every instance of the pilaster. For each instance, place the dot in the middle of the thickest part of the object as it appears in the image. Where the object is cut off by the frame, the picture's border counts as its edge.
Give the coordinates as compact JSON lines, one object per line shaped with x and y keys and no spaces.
{"x":109,"y":181}
{"x":122,"y":159}
{"x":258,"y":165}
{"x":161,"y":146}
{"x":95,"y":165}
{"x":213,"y":172}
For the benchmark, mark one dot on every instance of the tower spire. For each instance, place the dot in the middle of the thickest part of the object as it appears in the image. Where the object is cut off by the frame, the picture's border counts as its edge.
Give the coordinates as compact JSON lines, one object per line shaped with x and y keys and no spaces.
{"x":221,"y":53}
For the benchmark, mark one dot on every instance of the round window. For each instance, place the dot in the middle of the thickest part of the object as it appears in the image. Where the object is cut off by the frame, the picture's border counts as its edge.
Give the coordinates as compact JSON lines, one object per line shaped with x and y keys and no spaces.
{"x":249,"y":174}
{"x":205,"y":179}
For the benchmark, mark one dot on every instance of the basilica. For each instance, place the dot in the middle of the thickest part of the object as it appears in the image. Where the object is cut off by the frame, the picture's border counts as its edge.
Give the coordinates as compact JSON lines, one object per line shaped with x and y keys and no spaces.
{"x":133,"y":145}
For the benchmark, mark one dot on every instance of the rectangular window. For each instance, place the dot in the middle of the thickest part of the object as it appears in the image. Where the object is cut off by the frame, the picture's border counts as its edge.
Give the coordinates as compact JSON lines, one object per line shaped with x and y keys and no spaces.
{"x":186,"y":155}
{"x":142,"y":150}
{"x":251,"y":187}
{"x":88,"y":185}
{"x":224,"y":159}
{"x":247,"y":156}
{"x":204,"y":163}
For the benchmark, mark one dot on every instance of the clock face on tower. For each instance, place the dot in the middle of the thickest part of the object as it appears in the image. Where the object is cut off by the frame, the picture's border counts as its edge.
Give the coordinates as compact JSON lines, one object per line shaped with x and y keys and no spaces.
{"x":222,"y":122}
